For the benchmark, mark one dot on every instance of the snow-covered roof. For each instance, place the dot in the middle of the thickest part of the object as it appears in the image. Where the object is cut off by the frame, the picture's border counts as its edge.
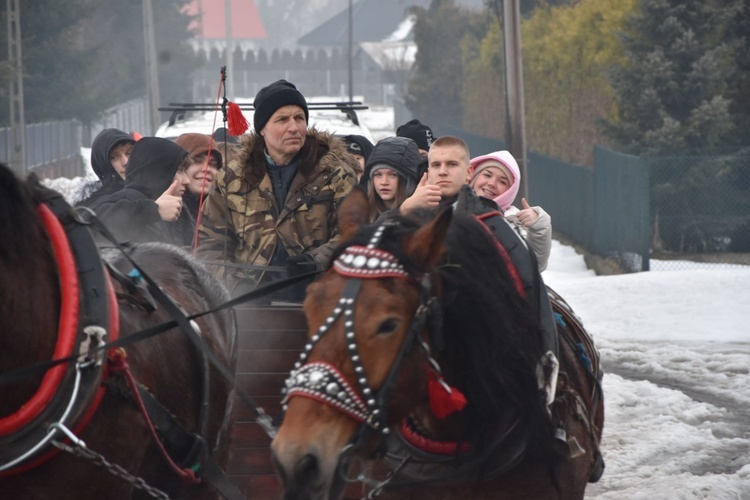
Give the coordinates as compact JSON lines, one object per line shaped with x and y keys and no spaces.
{"x":391,"y":55}
{"x":372,"y":21}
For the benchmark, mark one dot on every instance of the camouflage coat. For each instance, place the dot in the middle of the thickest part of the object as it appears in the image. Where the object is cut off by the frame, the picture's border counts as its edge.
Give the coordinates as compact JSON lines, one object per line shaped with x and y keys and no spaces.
{"x":241,"y":216}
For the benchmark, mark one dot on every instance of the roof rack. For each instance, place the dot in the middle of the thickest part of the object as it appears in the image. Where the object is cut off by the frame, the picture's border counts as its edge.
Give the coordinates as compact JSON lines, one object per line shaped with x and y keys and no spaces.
{"x":179,"y":109}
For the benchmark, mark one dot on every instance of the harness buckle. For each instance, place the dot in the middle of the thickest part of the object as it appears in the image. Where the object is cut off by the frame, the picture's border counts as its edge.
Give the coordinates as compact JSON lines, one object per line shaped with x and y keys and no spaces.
{"x":59,"y":426}
{"x":83,"y":215}
{"x":95,"y":336}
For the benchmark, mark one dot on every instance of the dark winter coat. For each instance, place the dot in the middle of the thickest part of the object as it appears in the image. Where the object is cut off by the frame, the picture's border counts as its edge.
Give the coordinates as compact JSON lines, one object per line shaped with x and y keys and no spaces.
{"x":132,"y":214}
{"x":110,"y":180}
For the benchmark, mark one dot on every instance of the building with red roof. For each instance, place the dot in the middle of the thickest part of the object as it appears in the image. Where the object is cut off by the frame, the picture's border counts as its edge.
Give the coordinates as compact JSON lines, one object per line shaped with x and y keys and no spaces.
{"x":246,"y":26}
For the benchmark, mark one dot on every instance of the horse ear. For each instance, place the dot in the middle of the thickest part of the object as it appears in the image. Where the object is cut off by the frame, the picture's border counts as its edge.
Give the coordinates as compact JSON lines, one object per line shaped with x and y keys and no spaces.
{"x":353,"y":213}
{"x":426,"y":244}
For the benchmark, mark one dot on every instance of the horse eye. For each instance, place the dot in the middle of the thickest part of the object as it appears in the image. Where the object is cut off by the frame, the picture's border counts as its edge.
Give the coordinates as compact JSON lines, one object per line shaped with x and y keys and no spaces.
{"x":388,"y":326}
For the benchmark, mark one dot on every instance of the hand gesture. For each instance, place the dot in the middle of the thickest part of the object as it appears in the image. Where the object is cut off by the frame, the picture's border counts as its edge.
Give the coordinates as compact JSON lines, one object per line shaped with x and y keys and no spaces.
{"x":526,"y":216}
{"x":426,"y":195}
{"x":170,"y":202}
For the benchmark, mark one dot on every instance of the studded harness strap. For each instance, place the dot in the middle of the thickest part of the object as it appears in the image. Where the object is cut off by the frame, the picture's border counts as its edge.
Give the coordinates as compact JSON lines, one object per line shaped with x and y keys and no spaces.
{"x":322,"y":381}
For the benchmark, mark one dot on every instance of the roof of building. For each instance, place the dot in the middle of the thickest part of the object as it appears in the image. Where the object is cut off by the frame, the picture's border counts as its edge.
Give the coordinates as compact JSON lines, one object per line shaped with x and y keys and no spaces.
{"x":246,"y":23}
{"x":372,"y":21}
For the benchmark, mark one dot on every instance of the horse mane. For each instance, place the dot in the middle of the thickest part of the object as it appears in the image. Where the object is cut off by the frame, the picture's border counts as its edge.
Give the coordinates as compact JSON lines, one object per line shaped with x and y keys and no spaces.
{"x":185,"y":262}
{"x":18,"y":218}
{"x":490,"y":342}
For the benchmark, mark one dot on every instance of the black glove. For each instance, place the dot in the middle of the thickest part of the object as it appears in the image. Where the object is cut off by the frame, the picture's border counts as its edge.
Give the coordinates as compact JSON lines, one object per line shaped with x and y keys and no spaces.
{"x":300,"y":264}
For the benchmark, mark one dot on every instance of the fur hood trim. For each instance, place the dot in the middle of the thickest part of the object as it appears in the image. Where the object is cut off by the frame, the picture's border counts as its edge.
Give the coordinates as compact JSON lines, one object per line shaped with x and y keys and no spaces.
{"x":322,"y":152}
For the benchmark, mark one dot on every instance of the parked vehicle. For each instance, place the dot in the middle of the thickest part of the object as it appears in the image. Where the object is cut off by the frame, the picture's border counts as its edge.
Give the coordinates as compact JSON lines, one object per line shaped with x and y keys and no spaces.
{"x":338,"y":118}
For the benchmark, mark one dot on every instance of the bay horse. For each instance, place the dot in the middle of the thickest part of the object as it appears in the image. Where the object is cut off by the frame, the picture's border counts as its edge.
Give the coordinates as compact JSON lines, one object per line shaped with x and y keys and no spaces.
{"x":421,"y":376}
{"x":79,"y":429}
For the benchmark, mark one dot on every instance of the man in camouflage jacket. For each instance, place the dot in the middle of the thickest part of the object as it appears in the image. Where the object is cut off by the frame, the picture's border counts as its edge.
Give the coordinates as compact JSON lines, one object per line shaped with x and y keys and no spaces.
{"x":275,"y":203}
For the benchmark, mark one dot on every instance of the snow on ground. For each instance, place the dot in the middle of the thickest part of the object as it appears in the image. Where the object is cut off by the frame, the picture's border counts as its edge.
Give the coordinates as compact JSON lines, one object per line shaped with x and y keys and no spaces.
{"x":675,"y":348}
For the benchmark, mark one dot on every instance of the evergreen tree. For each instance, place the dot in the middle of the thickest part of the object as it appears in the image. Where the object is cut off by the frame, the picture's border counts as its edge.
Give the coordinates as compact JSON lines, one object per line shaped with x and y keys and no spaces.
{"x":435,"y":89}
{"x":57,"y":65}
{"x":81,"y":57}
{"x":739,"y":83}
{"x":672,"y":92}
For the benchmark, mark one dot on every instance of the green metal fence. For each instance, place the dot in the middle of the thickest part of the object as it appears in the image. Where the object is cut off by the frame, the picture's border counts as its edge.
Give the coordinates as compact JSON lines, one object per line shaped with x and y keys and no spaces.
{"x":700,"y":204}
{"x":565,"y":191}
{"x":621,"y":208}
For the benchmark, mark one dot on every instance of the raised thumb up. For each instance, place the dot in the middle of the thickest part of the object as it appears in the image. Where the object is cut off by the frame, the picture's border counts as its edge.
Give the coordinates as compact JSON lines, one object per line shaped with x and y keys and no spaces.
{"x":170,"y":202}
{"x":527,"y":215}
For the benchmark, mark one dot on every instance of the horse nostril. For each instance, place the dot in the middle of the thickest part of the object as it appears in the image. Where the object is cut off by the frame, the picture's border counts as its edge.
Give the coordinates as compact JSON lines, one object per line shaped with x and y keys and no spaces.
{"x":307,"y":470}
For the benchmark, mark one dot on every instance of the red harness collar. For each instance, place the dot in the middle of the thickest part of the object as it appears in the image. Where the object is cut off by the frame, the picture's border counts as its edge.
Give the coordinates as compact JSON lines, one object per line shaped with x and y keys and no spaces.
{"x":67,"y":336}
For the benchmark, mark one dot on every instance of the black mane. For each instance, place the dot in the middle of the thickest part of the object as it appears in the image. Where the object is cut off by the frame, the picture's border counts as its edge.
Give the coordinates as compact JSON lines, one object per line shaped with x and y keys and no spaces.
{"x":17,"y":218}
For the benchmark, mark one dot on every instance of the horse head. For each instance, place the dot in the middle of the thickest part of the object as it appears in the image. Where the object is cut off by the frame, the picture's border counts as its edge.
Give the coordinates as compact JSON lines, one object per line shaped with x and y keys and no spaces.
{"x":359,"y":373}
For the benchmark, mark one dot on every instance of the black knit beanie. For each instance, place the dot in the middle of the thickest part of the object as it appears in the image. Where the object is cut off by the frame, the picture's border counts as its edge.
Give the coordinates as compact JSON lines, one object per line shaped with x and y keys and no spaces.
{"x":418,"y":132}
{"x":358,"y":145}
{"x":273,"y":97}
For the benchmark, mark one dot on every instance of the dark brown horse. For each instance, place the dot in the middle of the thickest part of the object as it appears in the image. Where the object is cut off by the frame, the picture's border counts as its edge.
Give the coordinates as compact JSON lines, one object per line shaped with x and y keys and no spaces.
{"x":413,"y":315}
{"x":110,"y":449}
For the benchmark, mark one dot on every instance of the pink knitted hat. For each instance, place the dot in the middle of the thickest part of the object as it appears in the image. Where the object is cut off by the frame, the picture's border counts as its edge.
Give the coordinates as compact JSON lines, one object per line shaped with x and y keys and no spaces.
{"x":504,"y":200}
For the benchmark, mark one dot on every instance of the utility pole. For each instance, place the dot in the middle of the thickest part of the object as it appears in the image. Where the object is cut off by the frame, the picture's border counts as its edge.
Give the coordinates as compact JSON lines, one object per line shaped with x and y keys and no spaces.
{"x":17,"y":119}
{"x":351,"y":53}
{"x":516,"y":130}
{"x":229,"y":82}
{"x":152,"y":74}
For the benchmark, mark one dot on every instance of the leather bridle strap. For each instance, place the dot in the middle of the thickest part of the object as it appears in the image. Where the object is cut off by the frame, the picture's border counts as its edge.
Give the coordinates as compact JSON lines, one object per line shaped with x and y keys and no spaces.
{"x":384,"y":393}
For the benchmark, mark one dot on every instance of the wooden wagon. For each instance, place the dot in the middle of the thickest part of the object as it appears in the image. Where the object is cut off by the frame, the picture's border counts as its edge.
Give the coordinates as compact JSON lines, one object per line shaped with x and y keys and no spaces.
{"x":270,"y":339}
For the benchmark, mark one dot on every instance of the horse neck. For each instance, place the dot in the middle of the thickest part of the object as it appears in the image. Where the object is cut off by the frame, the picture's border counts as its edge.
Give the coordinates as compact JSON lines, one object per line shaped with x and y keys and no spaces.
{"x":29,"y":302}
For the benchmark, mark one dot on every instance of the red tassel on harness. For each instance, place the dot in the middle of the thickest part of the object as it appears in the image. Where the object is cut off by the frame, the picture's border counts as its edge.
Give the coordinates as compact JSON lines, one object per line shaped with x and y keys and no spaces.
{"x":236,"y":121}
{"x":444,"y":399}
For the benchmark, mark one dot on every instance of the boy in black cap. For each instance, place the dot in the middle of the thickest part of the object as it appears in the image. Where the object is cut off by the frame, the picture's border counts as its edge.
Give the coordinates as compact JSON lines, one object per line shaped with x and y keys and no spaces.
{"x":360,"y":148}
{"x":275,"y":203}
{"x":418,"y":132}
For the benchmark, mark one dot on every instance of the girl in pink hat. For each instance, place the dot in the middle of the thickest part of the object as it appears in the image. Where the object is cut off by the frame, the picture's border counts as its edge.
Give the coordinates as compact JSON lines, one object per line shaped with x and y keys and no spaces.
{"x":496,"y":176}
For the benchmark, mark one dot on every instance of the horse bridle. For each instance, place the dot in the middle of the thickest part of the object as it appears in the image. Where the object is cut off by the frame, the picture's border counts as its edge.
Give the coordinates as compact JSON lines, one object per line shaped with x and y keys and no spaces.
{"x":322,"y":381}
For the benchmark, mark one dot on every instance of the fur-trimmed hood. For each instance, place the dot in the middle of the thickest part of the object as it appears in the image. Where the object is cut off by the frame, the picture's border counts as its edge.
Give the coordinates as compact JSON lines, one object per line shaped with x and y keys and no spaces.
{"x":321,"y":152}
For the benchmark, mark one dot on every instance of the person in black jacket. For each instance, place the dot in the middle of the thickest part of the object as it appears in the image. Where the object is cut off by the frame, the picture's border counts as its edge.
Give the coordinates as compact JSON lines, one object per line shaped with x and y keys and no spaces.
{"x":110,"y":151}
{"x":360,"y":148}
{"x":149,"y":207}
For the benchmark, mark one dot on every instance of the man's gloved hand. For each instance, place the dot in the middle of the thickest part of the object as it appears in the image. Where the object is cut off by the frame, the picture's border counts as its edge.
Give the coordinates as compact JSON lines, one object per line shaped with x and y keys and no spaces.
{"x":300,"y":264}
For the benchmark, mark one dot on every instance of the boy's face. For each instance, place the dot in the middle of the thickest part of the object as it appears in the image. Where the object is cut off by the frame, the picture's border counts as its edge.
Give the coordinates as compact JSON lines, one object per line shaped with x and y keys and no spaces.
{"x":448,"y":169}
{"x":119,"y":155}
